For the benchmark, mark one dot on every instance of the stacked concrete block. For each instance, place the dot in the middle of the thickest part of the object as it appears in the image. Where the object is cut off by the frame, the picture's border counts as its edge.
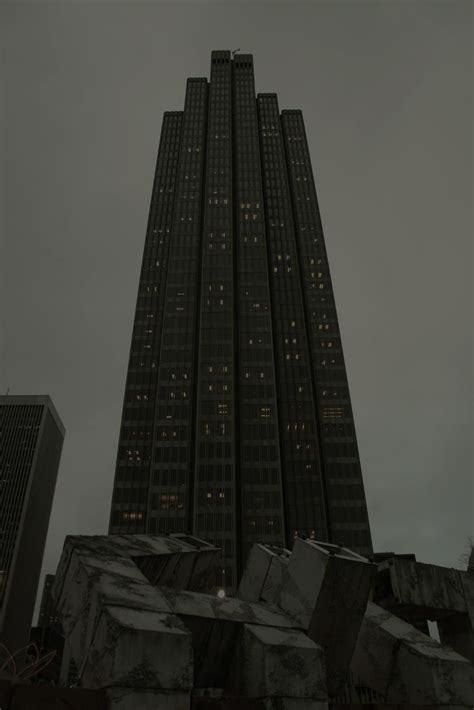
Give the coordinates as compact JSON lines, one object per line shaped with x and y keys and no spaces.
{"x":406,"y":666}
{"x":325,"y":588}
{"x":263,"y":575}
{"x":135,"y":628}
{"x":141,"y":624}
{"x":277,"y":662}
{"x":411,"y":589}
{"x":216,"y":626}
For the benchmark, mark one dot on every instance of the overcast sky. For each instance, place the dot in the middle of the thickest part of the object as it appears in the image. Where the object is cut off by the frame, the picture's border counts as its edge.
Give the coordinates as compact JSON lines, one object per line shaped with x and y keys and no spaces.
{"x":386,"y":91}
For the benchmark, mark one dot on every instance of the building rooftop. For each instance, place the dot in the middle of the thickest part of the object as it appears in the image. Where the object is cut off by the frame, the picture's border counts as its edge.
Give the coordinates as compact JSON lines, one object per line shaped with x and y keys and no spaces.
{"x":31,"y":399}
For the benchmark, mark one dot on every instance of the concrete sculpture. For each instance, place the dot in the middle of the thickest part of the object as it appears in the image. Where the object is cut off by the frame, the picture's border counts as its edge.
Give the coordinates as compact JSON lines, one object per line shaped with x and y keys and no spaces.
{"x":143,"y":621}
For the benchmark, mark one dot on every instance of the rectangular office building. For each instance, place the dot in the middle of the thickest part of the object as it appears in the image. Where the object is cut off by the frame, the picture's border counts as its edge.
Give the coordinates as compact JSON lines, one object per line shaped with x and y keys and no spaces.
{"x":31,"y":440}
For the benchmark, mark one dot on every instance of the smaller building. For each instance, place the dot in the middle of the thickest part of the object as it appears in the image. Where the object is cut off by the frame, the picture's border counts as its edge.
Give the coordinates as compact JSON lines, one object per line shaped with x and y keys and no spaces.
{"x":48,"y":636}
{"x":31,"y":440}
{"x":48,"y":617}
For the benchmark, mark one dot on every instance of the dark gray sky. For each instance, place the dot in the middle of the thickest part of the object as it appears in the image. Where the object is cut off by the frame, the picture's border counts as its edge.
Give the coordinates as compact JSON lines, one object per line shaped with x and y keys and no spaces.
{"x":386,"y":90}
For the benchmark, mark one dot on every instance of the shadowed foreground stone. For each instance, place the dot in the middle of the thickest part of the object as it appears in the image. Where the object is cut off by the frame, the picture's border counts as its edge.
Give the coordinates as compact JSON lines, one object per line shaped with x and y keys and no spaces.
{"x":141,"y":624}
{"x":150,"y":646}
{"x":324,"y":587}
{"x":416,"y":592}
{"x":406,"y":666}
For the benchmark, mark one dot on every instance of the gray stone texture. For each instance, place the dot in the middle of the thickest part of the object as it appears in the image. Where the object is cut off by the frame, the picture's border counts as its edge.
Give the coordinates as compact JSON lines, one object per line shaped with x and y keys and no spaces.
{"x":406,"y":666}
{"x":413,"y":589}
{"x":326,"y":589}
{"x":140,"y":623}
{"x":136,"y":626}
{"x":277,"y":662}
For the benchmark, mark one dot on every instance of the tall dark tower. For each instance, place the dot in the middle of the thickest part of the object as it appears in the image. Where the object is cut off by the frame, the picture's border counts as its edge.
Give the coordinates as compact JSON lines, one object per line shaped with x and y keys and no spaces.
{"x":237,"y":423}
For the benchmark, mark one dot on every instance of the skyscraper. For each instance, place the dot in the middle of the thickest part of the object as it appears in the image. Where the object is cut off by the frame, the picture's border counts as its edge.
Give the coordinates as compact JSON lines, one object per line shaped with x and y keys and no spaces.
{"x":31,"y":439}
{"x":237,"y":423}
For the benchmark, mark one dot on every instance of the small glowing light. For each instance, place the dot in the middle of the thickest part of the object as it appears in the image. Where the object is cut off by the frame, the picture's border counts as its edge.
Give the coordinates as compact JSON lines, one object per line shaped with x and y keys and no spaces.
{"x":221,"y":593}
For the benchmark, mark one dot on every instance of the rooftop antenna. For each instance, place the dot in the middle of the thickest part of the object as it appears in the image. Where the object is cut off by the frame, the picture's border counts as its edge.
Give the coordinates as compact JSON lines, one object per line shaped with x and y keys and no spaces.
{"x":235,"y":51}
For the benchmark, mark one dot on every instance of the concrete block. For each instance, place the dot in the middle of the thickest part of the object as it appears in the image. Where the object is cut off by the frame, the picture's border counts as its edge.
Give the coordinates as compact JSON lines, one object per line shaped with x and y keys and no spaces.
{"x":214,"y":641}
{"x":275,"y":577}
{"x":187,"y":570}
{"x":426,"y":587}
{"x":216,"y":626}
{"x":228,"y":609}
{"x":139,"y":649}
{"x":456,"y":632}
{"x":326,"y":588}
{"x":406,"y":666}
{"x":279,"y":663}
{"x":255,"y":572}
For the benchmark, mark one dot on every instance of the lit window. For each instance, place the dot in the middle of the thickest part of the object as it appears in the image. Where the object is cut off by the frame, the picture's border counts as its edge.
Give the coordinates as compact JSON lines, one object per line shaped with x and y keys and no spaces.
{"x":132,"y":515}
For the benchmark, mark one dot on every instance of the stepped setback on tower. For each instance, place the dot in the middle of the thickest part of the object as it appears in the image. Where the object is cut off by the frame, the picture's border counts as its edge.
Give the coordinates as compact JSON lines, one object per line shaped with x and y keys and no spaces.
{"x":237,"y":423}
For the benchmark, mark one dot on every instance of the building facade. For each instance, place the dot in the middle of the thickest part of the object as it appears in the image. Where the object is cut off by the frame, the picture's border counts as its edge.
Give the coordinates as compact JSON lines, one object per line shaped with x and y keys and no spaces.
{"x":237,"y":422}
{"x":31,"y":439}
{"x":48,"y":636}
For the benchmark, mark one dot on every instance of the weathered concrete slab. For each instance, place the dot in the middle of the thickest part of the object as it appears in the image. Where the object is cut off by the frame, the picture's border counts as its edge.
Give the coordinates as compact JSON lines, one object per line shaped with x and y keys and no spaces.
{"x":275,"y":662}
{"x":258,"y":565}
{"x":122,"y":550}
{"x":90,"y":589}
{"x":414,"y":590}
{"x":326,"y":588}
{"x":139,"y":649}
{"x":228,"y":609}
{"x":416,"y":584}
{"x":275,"y":576}
{"x":256,"y":569}
{"x":136,"y":627}
{"x":190,"y":570}
{"x":406,"y":666}
{"x":214,"y":641}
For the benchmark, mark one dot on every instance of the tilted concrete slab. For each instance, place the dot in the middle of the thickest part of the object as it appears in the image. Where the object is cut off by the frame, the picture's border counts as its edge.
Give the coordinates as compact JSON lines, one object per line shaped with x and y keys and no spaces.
{"x":216,"y":625}
{"x":261,"y":560}
{"x":273,"y":662}
{"x":139,"y":649}
{"x":136,"y":626}
{"x":414,"y":590}
{"x":274,"y":580}
{"x":430,"y":587}
{"x":192,"y":570}
{"x":326,"y":588}
{"x":129,"y":636}
{"x":228,"y":609}
{"x":406,"y":666}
